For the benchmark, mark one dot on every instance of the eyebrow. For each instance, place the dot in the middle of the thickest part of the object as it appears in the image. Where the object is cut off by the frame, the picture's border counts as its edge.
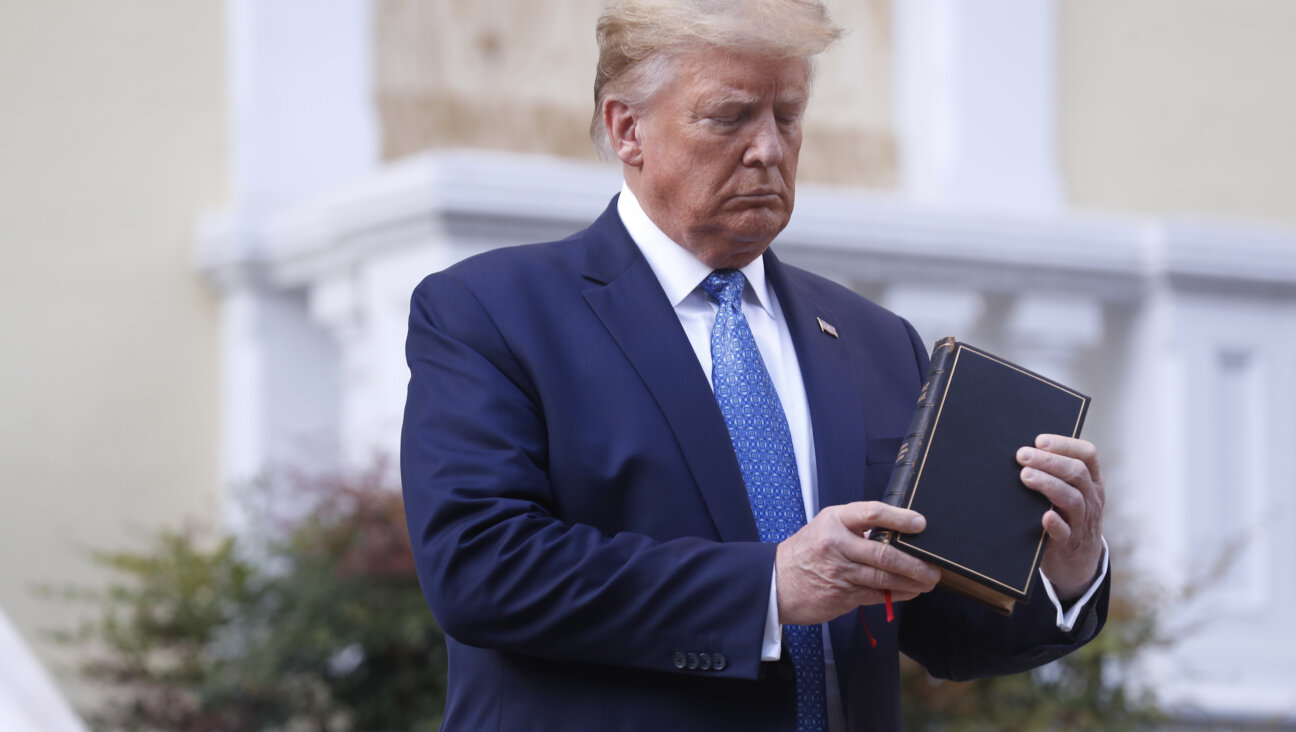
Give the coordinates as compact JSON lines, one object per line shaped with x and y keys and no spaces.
{"x":730,"y":99}
{"x":742,"y":99}
{"x":798,"y":99}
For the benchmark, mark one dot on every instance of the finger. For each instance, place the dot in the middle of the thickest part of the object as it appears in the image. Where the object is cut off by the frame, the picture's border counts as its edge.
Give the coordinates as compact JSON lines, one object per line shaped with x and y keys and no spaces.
{"x":1057,"y":527}
{"x":867,"y":578}
{"x":1067,"y":498}
{"x":1057,"y":476}
{"x":861,"y":516}
{"x":896,"y":596}
{"x":1072,"y":447}
{"x":1066,"y":483}
{"x":1068,"y":469}
{"x":878,"y":565}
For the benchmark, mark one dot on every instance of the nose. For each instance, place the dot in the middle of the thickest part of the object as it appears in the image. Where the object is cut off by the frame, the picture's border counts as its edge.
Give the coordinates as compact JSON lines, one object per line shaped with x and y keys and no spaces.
{"x":765,"y":148}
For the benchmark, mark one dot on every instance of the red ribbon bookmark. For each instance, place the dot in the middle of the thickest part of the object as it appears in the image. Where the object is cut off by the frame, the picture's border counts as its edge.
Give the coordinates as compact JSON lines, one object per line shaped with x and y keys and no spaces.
{"x":890,"y":615}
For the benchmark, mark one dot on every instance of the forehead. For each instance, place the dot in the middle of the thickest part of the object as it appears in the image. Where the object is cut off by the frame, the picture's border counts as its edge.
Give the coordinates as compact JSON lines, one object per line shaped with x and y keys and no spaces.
{"x":712,"y":74}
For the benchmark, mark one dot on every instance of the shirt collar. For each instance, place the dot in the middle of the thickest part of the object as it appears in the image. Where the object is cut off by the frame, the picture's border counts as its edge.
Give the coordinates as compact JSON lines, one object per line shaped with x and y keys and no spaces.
{"x":679,"y":272}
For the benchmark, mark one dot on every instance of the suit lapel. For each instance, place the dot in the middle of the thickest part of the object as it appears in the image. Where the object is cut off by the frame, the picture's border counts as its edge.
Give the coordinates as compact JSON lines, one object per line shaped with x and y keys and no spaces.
{"x":836,"y":413}
{"x":625,"y":294}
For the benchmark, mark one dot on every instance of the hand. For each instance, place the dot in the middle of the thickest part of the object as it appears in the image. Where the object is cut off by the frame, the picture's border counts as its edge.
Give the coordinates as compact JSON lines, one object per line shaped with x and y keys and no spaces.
{"x":1066,"y":471}
{"x":829,"y":568}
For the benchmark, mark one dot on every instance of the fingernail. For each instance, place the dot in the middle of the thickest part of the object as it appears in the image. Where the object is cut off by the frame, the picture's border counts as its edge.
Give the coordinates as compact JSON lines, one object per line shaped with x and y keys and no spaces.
{"x":1043,"y":442}
{"x":1029,"y":474}
{"x":1023,"y":454}
{"x":917,"y":523}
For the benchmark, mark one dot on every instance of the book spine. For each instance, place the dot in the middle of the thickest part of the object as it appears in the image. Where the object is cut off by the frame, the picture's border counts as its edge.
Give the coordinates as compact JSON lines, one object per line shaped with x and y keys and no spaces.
{"x":904,"y":474}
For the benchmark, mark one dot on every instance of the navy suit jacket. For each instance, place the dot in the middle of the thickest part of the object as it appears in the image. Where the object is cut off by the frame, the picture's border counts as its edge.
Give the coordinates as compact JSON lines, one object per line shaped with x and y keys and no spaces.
{"x":579,"y":520}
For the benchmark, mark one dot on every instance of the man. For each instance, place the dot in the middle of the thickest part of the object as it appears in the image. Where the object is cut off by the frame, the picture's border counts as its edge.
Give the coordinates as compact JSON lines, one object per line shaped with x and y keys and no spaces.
{"x":612,"y":442}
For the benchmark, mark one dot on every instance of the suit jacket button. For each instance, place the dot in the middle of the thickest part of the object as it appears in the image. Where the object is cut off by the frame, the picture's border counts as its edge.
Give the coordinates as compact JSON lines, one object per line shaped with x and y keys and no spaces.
{"x":718,"y":661}
{"x":679,"y":660}
{"x":692,"y":661}
{"x":704,"y":661}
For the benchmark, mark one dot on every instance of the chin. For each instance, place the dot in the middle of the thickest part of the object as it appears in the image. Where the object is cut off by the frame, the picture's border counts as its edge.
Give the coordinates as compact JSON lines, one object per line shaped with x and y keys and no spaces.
{"x":758,"y":228}
{"x":740,"y":239}
{"x":736,"y":253}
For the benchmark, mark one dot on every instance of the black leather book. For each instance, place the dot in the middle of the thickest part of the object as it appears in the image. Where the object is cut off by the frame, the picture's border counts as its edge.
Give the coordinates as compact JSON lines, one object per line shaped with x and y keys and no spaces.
{"x":958,"y":467}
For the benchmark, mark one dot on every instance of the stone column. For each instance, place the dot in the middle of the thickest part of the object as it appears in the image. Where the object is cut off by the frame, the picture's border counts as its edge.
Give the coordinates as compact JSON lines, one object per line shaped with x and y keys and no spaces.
{"x":975,"y":92}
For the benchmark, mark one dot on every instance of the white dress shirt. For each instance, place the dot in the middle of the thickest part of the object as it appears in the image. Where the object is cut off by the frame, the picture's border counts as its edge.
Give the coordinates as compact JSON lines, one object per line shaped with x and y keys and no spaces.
{"x":681,"y":275}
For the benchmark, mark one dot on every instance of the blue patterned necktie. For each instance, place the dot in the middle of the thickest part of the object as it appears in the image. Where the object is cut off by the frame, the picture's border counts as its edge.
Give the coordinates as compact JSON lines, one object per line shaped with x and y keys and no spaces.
{"x":763,"y":443}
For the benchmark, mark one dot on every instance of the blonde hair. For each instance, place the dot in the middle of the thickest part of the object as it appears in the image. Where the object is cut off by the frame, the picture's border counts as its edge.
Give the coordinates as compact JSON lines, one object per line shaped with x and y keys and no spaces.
{"x":640,"y":39}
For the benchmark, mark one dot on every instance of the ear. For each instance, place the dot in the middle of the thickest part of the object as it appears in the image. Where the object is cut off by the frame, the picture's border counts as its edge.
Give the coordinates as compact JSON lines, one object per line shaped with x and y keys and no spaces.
{"x":624,"y":132}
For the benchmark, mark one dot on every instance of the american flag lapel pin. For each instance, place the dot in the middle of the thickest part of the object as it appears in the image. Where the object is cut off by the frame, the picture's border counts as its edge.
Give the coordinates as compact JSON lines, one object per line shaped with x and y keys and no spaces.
{"x":827,"y":327}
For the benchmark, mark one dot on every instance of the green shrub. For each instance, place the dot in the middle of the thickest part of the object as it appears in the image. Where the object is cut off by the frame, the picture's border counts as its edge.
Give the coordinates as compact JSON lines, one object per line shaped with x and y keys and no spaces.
{"x":313,"y":623}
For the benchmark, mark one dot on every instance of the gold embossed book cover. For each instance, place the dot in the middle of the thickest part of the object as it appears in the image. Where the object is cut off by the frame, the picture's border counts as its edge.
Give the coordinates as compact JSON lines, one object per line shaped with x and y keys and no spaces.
{"x":958,"y":467}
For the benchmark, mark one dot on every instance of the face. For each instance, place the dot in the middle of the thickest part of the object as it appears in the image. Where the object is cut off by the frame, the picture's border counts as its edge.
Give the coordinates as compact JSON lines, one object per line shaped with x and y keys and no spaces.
{"x":713,"y":160}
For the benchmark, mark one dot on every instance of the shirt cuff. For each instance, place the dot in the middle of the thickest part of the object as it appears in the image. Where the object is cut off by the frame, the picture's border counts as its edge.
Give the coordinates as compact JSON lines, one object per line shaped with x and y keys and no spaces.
{"x":772,"y":644}
{"x":1066,"y":620}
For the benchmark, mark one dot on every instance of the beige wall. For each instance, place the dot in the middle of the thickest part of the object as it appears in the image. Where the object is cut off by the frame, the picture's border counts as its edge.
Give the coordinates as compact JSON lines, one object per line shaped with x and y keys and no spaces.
{"x":1164,"y":106}
{"x":518,"y":75}
{"x":1175,"y":106}
{"x":111,"y":143}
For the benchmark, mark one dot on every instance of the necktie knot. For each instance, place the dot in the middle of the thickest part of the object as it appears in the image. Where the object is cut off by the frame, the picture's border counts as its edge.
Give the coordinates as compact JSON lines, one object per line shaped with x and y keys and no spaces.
{"x":725,"y":285}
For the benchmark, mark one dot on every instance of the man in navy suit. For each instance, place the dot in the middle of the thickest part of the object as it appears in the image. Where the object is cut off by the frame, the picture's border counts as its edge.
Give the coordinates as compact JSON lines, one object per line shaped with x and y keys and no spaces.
{"x":580,"y":518}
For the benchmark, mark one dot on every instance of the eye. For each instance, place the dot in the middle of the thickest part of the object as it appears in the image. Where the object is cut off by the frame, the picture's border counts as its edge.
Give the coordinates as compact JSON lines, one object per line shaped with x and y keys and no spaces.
{"x":788,"y":119}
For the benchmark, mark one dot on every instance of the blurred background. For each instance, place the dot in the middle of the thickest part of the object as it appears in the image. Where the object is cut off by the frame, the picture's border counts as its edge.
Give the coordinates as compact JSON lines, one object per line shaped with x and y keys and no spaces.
{"x":212,"y":215}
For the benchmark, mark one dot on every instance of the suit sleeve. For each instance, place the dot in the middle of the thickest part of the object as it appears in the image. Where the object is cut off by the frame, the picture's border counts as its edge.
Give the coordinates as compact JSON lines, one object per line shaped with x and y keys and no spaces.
{"x":499,"y":566}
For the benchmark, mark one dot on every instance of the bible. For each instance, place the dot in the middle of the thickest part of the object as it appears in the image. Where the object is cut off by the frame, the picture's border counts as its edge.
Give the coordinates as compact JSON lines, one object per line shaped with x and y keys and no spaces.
{"x":958,"y":467}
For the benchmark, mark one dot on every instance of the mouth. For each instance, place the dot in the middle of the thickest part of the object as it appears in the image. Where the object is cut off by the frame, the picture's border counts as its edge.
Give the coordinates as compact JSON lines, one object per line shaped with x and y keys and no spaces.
{"x":758,"y":197}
